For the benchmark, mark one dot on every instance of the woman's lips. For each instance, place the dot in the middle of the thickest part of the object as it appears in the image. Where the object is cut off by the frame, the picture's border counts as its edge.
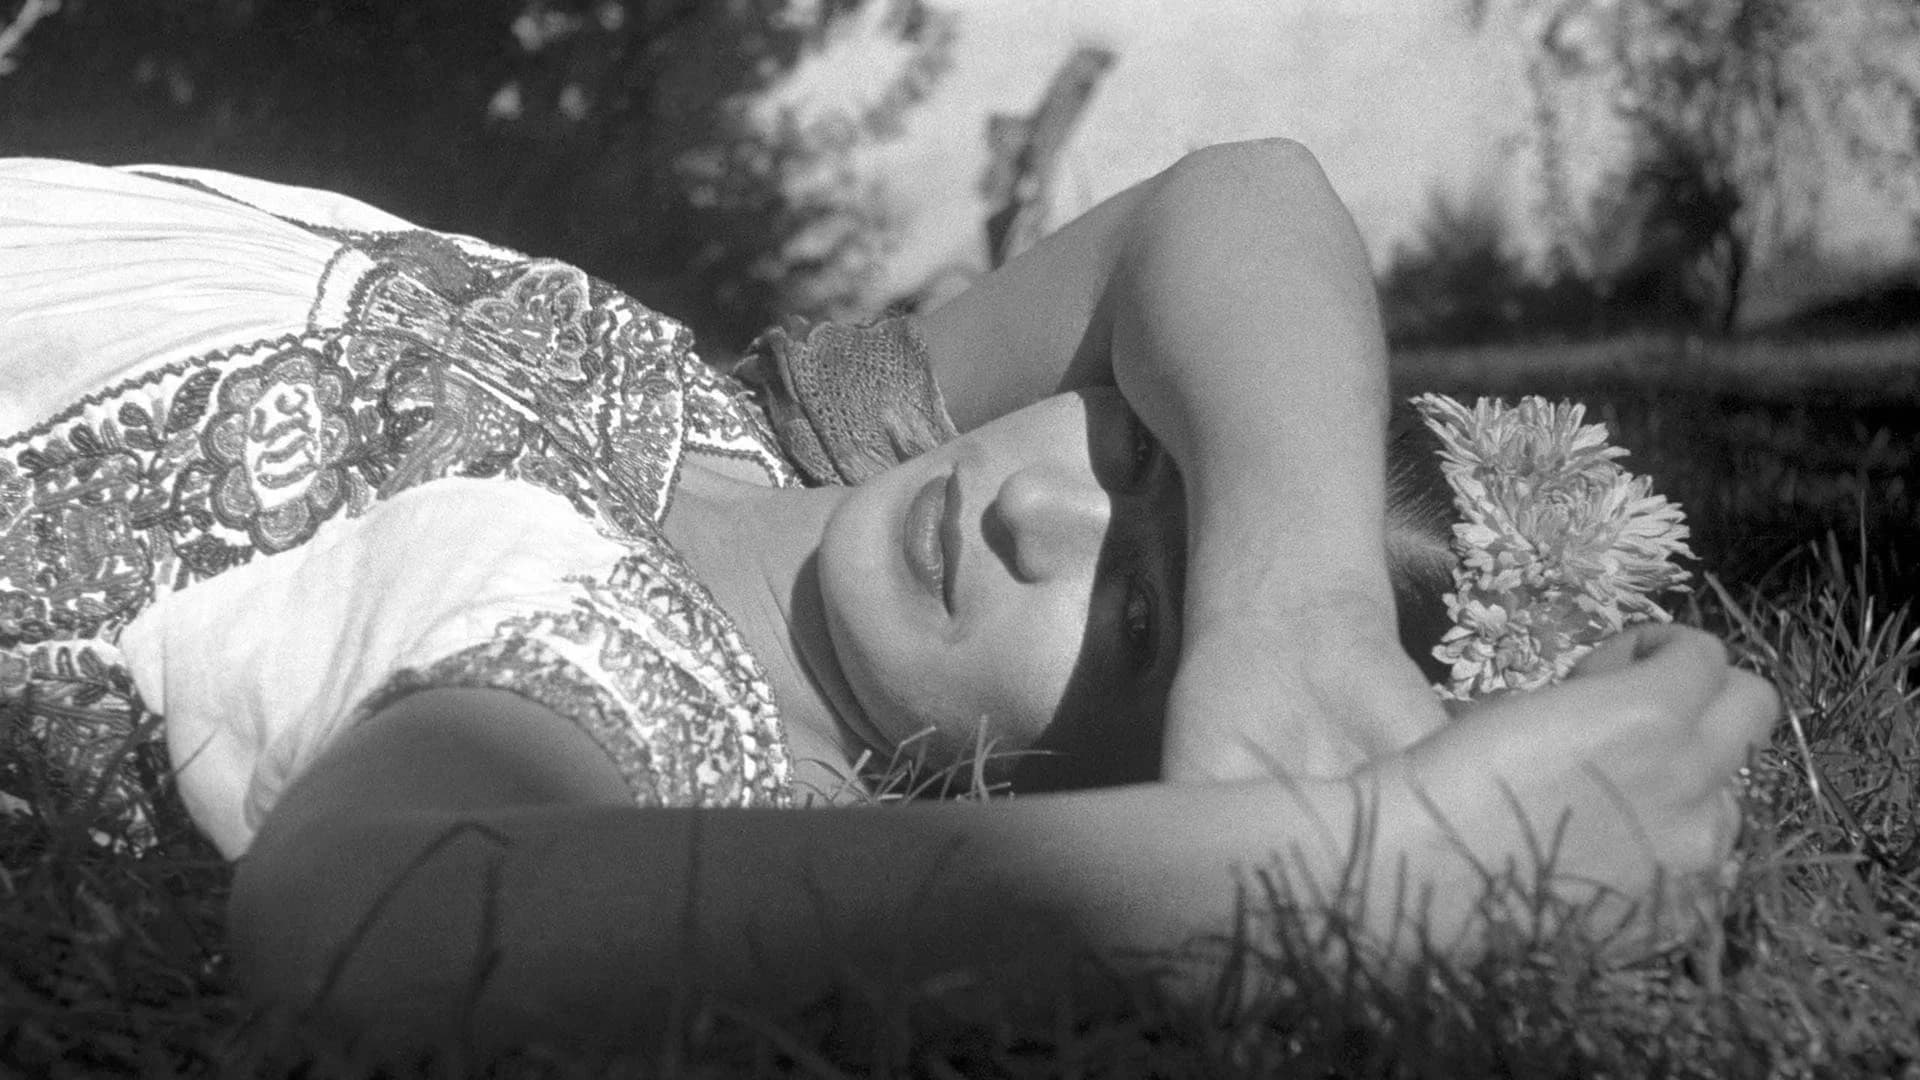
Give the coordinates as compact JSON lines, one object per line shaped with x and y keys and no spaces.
{"x":950,"y":508}
{"x":930,"y":538}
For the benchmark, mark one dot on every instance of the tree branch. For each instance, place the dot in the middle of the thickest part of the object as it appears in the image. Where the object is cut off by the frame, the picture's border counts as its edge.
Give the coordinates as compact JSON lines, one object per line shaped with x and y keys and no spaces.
{"x":13,"y":33}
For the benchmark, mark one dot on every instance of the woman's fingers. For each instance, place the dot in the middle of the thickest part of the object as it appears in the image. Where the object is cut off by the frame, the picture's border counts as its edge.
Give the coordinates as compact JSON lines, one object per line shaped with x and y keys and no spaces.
{"x":1751,"y":707}
{"x":1641,"y":748}
{"x":1633,"y":702}
{"x":1613,"y":654}
{"x":1684,"y":661}
{"x":1741,"y":719}
{"x":1687,"y":673}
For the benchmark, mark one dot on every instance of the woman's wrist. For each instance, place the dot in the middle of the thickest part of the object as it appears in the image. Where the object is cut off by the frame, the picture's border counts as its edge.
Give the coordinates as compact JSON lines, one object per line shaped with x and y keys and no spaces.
{"x":1363,"y":850}
{"x":1253,"y":709}
{"x":1295,"y":522}
{"x":1292,"y":661}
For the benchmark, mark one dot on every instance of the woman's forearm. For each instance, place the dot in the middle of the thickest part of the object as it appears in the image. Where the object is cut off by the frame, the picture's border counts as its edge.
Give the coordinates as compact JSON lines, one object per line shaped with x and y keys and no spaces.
{"x":564,"y":923}
{"x":589,"y":920}
{"x":1245,"y":332}
{"x":1231,"y":300}
{"x":392,"y":888}
{"x":465,"y":851}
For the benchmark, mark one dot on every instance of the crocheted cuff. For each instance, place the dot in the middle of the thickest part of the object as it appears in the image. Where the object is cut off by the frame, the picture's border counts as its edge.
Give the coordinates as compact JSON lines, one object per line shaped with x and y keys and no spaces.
{"x":847,"y":402}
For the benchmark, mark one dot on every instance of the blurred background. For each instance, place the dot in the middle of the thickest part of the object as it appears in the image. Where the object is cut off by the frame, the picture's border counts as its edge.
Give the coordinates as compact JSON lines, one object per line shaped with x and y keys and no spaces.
{"x":1701,"y":216}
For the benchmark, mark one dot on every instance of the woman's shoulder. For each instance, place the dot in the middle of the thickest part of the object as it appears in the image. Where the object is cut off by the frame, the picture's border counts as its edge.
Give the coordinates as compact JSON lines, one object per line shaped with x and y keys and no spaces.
{"x":110,"y":273}
{"x":294,"y":202}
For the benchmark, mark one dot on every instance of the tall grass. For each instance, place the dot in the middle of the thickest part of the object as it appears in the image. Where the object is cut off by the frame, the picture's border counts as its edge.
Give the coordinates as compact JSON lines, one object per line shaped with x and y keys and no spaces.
{"x":111,"y":959}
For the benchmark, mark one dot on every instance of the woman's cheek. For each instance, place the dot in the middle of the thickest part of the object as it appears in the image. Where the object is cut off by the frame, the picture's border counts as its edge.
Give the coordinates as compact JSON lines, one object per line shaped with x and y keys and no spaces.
{"x":1035,"y":652}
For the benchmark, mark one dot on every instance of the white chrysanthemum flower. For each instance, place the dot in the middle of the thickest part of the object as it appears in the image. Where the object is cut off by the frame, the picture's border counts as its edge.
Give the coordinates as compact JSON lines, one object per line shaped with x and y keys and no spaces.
{"x":1558,"y":546}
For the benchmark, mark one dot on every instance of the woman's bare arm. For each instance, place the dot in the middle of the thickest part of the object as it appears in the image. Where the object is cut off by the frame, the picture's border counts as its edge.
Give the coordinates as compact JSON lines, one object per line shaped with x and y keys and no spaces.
{"x":464,"y":865}
{"x":468,"y":852}
{"x":1231,"y":301}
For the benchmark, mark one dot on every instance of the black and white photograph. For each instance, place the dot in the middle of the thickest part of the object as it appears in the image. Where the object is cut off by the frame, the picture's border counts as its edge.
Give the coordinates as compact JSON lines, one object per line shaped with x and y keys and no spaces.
{"x":959,"y":538}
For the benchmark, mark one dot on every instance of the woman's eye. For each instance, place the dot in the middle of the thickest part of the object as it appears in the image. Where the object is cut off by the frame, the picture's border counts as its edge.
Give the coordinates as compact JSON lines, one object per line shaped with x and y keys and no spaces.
{"x":1143,"y":449}
{"x":1137,"y":624}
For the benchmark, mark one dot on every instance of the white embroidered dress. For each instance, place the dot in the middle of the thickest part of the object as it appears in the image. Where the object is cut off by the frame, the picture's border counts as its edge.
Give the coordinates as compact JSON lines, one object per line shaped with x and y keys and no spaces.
{"x":269,"y":456}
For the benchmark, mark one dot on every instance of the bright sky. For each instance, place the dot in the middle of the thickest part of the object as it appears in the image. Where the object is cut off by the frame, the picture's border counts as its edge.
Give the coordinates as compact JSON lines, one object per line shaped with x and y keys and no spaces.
{"x":1393,"y":96}
{"x":1205,"y":71}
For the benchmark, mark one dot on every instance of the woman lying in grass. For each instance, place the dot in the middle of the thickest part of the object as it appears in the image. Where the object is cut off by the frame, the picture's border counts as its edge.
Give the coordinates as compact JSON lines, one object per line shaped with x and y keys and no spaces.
{"x":467,"y":593}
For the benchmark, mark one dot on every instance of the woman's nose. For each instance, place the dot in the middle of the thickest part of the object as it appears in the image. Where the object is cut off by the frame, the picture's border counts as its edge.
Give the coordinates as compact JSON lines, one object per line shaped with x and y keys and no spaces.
{"x":1055,"y":523}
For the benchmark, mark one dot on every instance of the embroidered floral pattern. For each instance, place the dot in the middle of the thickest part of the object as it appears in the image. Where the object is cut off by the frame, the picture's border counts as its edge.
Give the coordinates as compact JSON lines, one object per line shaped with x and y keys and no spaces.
{"x":74,"y":557}
{"x":545,"y":318}
{"x":442,"y":358}
{"x":75,"y":737}
{"x":722,"y":419}
{"x":278,"y":443}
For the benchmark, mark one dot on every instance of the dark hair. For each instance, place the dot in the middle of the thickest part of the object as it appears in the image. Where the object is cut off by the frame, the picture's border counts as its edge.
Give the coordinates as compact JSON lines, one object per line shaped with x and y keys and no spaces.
{"x":1420,"y":518}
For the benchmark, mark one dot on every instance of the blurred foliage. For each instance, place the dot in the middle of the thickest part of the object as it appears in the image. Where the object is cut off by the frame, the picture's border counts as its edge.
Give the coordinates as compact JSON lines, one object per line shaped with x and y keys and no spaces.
{"x":1463,"y":281}
{"x":1458,"y":280}
{"x":1732,"y":110}
{"x":631,"y":137}
{"x":1678,"y":252}
{"x":1714,"y":110}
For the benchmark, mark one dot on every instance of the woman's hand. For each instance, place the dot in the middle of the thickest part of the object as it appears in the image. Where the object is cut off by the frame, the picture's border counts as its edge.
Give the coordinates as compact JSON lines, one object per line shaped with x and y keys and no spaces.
{"x":1312,"y":694}
{"x":1621,"y":782}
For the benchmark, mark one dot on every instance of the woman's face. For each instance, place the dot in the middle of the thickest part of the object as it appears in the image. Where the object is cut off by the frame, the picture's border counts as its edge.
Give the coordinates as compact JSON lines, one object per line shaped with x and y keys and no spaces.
{"x":1021,"y":581}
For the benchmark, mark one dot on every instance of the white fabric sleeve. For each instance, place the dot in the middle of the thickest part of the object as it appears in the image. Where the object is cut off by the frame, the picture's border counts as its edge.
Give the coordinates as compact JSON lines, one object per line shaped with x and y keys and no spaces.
{"x":310,"y":205}
{"x":260,"y":669}
{"x":105,"y":274}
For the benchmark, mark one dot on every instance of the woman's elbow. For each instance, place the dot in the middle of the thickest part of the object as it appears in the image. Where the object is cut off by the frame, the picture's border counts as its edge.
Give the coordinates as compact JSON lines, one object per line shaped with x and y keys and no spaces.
{"x":1265,"y":205}
{"x":1269,"y":193}
{"x":1260,"y":161}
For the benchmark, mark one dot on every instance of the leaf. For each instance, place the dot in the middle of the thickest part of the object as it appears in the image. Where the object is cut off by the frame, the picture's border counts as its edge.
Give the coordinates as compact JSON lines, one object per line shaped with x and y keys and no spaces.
{"x":133,"y":416}
{"x":52,"y":453}
{"x":488,"y":465}
{"x":190,"y":402}
{"x":85,"y":441}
